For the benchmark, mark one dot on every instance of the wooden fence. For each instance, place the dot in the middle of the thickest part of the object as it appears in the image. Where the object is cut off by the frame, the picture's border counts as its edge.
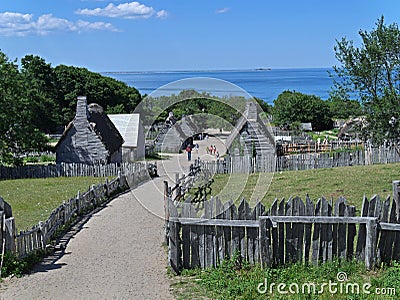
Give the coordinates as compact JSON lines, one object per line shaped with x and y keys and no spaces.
{"x":303,"y":161}
{"x":292,"y":231}
{"x":313,"y":146}
{"x":65,"y":170}
{"x":40,"y":235}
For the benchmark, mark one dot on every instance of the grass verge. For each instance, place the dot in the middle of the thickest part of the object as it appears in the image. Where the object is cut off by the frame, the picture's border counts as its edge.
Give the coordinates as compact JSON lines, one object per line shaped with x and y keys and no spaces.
{"x":32,"y":200}
{"x":235,"y":280}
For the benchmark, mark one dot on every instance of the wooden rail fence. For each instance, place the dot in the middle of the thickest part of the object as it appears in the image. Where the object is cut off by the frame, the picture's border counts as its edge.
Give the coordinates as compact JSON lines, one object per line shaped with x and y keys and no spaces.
{"x":289,"y":231}
{"x":65,"y":170}
{"x":25,"y":242}
{"x":302,"y":161}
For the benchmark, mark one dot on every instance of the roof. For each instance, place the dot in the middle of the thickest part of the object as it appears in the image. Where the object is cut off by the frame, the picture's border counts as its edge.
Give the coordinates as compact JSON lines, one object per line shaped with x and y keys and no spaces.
{"x":101,"y":125}
{"x":128,"y":126}
{"x":105,"y":128}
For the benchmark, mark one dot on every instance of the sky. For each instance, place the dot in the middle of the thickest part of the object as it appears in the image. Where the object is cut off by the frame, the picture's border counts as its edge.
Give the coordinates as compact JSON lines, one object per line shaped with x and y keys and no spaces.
{"x":123,"y":35}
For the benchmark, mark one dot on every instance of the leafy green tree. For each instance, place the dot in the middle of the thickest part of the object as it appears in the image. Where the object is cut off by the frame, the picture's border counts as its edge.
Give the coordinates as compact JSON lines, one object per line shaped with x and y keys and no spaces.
{"x":294,"y":107}
{"x":111,"y":94}
{"x":17,"y":132}
{"x":370,"y":73}
{"x":38,"y":79}
{"x":342,"y":107}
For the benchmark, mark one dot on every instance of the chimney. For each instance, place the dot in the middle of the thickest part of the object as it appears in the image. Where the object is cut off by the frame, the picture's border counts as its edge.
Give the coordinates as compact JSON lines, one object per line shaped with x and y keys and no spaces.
{"x":81,"y":108}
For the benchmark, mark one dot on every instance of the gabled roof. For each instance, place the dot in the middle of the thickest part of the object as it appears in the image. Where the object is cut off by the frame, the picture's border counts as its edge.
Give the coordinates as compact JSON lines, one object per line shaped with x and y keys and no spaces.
{"x":128,"y":126}
{"x":104,"y":128}
{"x":100,"y":124}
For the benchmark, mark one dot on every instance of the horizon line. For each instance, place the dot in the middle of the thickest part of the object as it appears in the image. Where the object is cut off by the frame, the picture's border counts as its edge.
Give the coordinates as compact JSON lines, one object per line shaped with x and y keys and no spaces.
{"x":260,"y":69}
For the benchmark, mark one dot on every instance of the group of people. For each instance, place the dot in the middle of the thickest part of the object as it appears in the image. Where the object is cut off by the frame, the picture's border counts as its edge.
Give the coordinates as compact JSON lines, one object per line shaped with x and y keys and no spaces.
{"x":212,"y":150}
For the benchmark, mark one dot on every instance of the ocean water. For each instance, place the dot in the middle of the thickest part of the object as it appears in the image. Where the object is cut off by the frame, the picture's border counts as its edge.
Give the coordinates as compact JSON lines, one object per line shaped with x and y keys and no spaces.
{"x":263,"y":84}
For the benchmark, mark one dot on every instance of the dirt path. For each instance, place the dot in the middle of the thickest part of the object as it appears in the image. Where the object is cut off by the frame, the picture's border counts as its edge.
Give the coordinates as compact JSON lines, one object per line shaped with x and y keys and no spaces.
{"x":116,"y":254}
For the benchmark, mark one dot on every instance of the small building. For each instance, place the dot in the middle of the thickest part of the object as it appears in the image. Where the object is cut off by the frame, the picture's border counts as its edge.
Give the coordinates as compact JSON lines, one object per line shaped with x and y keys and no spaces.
{"x":131,"y":129}
{"x":95,"y":138}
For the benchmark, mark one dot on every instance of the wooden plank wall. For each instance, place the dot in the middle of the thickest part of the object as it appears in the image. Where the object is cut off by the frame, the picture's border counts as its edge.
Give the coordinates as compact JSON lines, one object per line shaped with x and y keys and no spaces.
{"x":302,"y":161}
{"x":290,"y":231}
{"x":68,"y":170}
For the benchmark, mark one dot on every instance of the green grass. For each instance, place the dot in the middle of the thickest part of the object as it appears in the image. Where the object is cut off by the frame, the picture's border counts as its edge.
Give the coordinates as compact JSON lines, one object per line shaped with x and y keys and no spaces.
{"x":233,"y":280}
{"x":351,"y":182}
{"x":32,"y":200}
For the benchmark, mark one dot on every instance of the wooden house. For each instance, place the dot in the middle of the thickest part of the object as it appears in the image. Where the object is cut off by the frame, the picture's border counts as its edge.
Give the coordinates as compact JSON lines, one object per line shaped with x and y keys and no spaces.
{"x":90,"y":138}
{"x":131,"y":129}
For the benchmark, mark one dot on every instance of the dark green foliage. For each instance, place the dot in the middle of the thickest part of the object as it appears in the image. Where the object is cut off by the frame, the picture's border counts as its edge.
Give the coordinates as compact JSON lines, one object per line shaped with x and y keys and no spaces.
{"x":218,"y":111}
{"x":111,"y":94}
{"x":17,"y":130}
{"x":341,"y":107}
{"x":19,"y":266}
{"x":294,"y":107}
{"x":370,"y":74}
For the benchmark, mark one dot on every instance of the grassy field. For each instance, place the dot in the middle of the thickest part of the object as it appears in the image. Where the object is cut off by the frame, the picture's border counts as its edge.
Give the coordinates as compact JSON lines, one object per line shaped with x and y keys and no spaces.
{"x":234,"y":281}
{"x":32,"y":200}
{"x":351,"y":182}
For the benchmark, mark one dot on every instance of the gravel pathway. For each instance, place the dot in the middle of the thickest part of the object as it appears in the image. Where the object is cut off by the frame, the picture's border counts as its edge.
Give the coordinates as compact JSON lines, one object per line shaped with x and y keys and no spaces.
{"x":117,"y":254}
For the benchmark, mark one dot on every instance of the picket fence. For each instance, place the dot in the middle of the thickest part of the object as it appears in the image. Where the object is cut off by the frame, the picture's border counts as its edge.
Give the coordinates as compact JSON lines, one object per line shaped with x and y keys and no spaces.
{"x":25,"y":242}
{"x":291,"y":231}
{"x":303,"y":161}
{"x":65,"y":170}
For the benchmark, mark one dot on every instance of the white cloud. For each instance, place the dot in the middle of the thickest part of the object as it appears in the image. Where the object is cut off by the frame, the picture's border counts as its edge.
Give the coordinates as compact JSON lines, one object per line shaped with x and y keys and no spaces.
{"x":16,"y":24}
{"x":222,"y":10}
{"x":162,"y":14}
{"x":129,"y":10}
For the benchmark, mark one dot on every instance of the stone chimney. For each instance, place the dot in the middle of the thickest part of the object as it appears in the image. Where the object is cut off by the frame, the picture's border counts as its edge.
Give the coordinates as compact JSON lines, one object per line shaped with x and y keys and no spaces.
{"x":81,"y":109}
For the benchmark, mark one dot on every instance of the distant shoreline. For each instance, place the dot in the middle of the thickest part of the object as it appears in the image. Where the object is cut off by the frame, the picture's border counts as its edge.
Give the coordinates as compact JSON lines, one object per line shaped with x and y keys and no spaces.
{"x":211,"y":71}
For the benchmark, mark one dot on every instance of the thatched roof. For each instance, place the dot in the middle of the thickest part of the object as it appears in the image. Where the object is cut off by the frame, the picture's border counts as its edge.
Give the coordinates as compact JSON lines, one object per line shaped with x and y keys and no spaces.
{"x":104,"y":128}
{"x":100,"y":124}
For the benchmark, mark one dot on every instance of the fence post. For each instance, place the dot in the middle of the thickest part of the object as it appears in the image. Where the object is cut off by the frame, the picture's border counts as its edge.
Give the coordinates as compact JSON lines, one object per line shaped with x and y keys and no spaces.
{"x":42,"y":237}
{"x":370,"y":243}
{"x":166,"y":212}
{"x":107,"y":187}
{"x":264,"y":244}
{"x":396,"y":197}
{"x":78,"y":202}
{"x":64,"y":212}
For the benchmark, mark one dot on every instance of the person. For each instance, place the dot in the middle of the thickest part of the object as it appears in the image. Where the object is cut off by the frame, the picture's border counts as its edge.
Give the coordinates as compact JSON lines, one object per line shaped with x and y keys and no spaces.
{"x":197,"y":148}
{"x":189,"y":152}
{"x":214,"y":149}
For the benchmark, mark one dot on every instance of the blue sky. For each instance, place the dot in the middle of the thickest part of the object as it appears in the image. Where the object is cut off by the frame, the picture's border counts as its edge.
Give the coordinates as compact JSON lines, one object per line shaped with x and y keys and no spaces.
{"x":123,"y":35}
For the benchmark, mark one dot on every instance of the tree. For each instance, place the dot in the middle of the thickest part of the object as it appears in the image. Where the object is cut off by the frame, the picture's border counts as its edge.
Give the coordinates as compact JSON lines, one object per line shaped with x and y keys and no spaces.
{"x":38,"y":77}
{"x":343,"y":108}
{"x":17,"y":132}
{"x":111,"y":94}
{"x":370,"y":73}
{"x":293,"y":107}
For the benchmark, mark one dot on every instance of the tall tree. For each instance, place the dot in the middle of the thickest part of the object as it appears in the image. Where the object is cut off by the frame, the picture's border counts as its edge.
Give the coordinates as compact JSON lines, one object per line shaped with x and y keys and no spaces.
{"x":17,"y":132}
{"x":38,"y":77}
{"x":370,"y":73}
{"x":293,"y":107}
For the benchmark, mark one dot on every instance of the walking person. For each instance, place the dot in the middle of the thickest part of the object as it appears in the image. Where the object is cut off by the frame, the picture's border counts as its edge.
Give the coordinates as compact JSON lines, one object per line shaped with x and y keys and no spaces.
{"x":189,"y":152}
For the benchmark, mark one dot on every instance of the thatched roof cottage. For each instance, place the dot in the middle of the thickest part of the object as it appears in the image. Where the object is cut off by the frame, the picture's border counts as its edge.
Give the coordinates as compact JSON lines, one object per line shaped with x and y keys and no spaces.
{"x":92,"y":137}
